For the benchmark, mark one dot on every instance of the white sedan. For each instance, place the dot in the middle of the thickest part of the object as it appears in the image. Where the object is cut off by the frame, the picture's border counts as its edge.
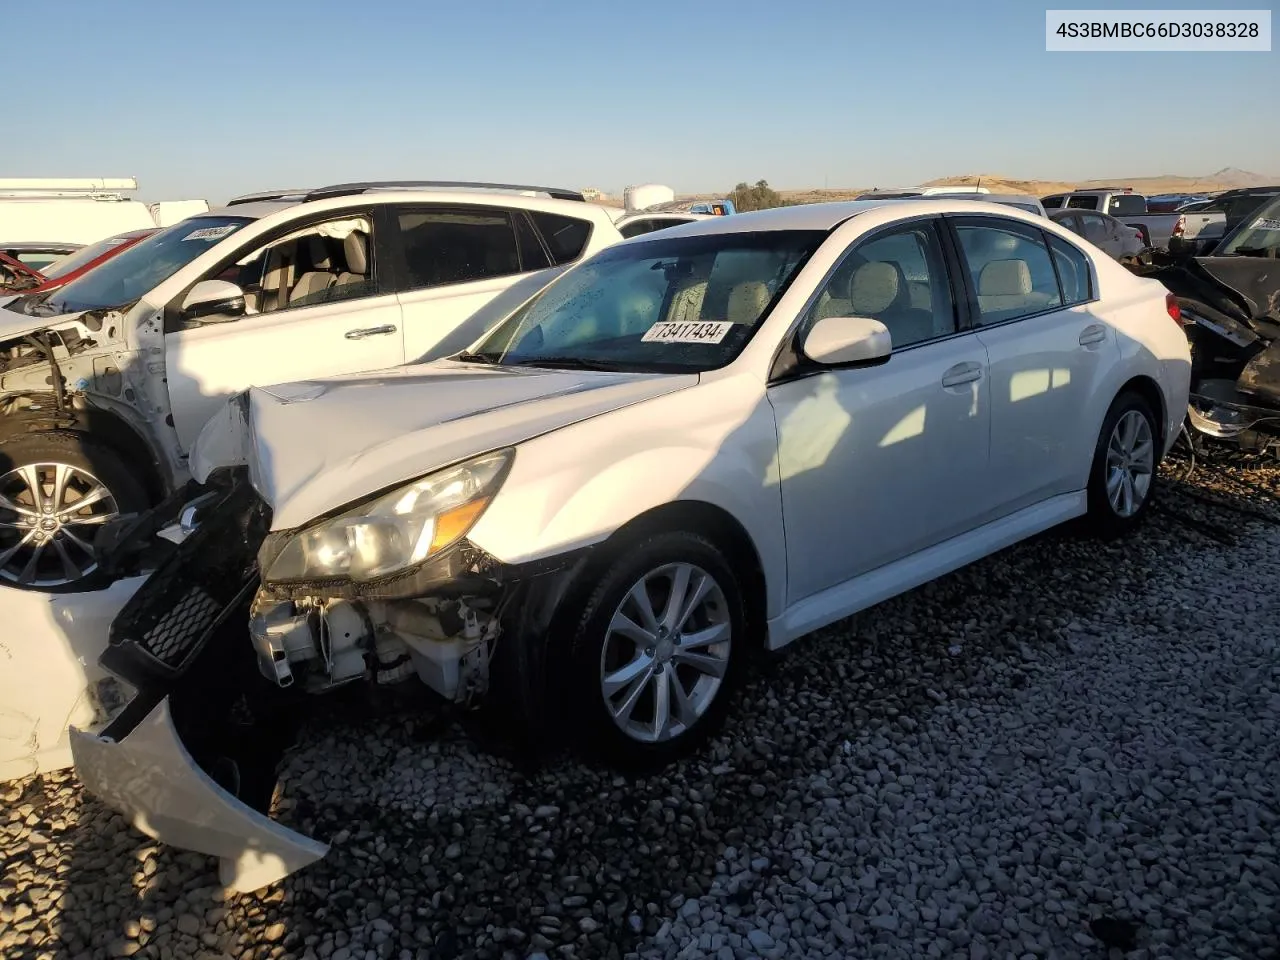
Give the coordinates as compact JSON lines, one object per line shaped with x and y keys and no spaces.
{"x":700,"y":442}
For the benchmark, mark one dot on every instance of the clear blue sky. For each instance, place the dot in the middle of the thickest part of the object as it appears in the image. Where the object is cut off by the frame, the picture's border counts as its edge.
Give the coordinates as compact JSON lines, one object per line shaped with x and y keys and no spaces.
{"x":208,"y":99}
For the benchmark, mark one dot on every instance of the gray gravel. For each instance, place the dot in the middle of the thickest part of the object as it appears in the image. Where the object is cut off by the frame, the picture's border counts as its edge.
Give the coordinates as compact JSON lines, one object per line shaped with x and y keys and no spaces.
{"x":1066,"y":732}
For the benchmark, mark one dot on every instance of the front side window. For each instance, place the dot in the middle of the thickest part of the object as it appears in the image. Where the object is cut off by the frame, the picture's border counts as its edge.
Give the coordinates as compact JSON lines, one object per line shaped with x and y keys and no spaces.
{"x":1009,"y":270}
{"x":666,"y":305}
{"x":898,"y":278}
{"x":443,"y":246}
{"x":127,"y":278}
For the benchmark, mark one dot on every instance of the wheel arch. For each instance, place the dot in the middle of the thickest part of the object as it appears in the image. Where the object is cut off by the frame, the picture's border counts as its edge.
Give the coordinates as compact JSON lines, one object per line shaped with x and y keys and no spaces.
{"x":102,"y":427}
{"x":720,"y":527}
{"x":1145,"y":387}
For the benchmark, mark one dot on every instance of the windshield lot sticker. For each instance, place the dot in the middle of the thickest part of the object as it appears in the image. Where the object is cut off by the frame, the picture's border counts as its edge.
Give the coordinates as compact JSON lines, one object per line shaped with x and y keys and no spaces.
{"x":210,"y":233}
{"x":1263,"y":223}
{"x":689,"y":331}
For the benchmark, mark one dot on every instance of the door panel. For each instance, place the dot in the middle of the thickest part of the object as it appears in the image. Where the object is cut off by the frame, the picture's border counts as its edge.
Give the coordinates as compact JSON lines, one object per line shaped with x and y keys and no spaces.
{"x":881,"y":462}
{"x":207,"y":364}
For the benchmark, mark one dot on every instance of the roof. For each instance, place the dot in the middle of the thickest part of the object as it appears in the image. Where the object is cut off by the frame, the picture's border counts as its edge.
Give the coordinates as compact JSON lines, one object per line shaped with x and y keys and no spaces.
{"x":827,"y":216}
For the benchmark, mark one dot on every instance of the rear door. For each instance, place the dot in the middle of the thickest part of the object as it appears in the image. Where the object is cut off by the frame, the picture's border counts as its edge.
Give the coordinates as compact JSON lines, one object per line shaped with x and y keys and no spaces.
{"x":461,"y":269}
{"x":1048,"y":349}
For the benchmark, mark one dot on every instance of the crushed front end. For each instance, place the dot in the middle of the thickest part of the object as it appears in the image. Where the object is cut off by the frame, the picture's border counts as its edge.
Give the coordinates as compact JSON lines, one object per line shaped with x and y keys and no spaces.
{"x":221,"y":661}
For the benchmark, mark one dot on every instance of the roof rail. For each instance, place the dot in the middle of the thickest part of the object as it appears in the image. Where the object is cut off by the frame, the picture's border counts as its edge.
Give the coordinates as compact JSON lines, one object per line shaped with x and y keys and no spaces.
{"x":264,"y":195}
{"x":348,"y":189}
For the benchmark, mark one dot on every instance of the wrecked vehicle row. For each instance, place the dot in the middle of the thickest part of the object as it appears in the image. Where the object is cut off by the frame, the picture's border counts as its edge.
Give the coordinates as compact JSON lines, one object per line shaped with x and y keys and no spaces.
{"x":1230,"y":308}
{"x":696,"y":443}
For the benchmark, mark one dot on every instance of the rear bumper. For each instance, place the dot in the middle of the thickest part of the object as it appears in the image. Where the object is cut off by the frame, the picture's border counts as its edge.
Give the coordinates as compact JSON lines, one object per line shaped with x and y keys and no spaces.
{"x":150,"y":778}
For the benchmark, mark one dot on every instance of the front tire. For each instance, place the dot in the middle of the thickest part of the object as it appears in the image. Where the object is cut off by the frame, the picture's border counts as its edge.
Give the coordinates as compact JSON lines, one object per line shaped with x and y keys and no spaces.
{"x":56,"y":491}
{"x":1122,"y":481}
{"x":657,"y":651}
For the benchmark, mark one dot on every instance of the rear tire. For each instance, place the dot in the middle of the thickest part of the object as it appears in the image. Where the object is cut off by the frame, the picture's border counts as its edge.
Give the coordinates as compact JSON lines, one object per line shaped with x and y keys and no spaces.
{"x":1122,"y":481}
{"x":58,"y":489}
{"x":678,"y":670}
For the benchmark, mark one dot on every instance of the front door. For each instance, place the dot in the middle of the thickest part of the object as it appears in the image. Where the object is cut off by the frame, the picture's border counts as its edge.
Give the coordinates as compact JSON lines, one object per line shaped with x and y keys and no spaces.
{"x":315,"y":310}
{"x":880,"y":462}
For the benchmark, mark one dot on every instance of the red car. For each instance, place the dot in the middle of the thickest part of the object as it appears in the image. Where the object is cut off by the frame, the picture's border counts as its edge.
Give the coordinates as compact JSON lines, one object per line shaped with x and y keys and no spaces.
{"x":76,"y":264}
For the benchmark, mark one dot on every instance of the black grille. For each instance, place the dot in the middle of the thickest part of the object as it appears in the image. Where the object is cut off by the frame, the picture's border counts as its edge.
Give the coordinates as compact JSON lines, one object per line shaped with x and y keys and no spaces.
{"x":174,"y":614}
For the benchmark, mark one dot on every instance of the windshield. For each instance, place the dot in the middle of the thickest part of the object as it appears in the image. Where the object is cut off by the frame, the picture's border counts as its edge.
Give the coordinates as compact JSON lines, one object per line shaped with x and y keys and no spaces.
{"x":1259,"y":235}
{"x":132,"y":274}
{"x":74,"y":261}
{"x":663,"y":305}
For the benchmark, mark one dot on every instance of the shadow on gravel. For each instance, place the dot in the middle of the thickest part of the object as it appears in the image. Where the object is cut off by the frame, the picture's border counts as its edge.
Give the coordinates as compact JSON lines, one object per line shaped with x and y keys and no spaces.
{"x":570,"y":861}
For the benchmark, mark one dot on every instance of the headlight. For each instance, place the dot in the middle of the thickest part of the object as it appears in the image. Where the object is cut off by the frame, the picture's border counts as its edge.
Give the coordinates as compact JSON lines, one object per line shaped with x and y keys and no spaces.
{"x":396,"y":531}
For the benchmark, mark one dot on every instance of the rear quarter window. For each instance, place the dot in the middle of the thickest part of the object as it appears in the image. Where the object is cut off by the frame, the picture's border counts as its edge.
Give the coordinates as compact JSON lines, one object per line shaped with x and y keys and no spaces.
{"x":566,"y":237}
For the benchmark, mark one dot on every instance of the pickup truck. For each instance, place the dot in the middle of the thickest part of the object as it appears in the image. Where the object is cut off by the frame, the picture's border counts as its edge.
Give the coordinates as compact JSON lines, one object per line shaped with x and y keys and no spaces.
{"x":1157,"y":229}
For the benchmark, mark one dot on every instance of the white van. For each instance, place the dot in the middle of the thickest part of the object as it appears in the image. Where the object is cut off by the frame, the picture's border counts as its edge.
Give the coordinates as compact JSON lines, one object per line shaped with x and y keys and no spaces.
{"x":80,"y":211}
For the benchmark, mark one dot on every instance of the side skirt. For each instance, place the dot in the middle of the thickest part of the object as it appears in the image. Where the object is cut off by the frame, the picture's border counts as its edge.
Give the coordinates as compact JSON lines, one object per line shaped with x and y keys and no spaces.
{"x":845,"y":599}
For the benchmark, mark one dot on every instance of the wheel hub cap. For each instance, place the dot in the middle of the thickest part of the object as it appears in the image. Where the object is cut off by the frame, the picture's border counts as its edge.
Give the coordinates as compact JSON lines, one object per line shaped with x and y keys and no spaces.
{"x":49,"y":515}
{"x":666,"y":653}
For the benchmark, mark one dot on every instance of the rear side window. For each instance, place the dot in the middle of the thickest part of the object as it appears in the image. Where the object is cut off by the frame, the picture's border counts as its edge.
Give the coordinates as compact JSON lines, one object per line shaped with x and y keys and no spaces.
{"x":1073,"y":271}
{"x":1093,"y":227}
{"x":1009,"y":270}
{"x":1083,"y":203}
{"x":1127,"y":205}
{"x":444,"y":246}
{"x":566,"y":236}
{"x":532,"y":256}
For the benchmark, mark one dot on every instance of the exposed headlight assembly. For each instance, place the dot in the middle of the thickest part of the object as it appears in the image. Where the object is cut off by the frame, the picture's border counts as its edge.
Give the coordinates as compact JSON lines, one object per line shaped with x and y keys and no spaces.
{"x":393,"y":533}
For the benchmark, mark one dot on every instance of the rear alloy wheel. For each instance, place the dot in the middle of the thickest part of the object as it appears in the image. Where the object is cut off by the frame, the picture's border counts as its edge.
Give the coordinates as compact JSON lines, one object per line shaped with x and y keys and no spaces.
{"x":56,"y":492}
{"x":657,"y":650}
{"x":1124,"y":469}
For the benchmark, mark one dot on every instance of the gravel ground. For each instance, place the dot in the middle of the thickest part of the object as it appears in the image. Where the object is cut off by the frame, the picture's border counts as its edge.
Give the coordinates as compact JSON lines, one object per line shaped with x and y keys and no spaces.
{"x":1060,"y":746}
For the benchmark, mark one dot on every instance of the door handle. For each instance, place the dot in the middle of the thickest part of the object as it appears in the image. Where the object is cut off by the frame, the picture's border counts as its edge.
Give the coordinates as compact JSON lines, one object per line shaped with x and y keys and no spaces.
{"x":370,"y":332}
{"x":1094,"y":333}
{"x":961,"y":374}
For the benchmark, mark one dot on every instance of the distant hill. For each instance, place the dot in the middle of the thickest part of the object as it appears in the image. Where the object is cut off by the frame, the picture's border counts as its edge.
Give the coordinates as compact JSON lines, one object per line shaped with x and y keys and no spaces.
{"x":1228,"y":178}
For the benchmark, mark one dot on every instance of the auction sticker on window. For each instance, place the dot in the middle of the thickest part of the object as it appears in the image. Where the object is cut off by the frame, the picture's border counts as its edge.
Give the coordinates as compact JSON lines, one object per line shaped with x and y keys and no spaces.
{"x":687,"y":331}
{"x":1266,"y":223}
{"x":211,"y":233}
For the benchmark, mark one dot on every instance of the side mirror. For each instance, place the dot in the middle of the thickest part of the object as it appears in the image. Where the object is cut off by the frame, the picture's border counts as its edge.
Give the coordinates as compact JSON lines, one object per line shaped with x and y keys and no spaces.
{"x":210,"y":298}
{"x":848,"y":342}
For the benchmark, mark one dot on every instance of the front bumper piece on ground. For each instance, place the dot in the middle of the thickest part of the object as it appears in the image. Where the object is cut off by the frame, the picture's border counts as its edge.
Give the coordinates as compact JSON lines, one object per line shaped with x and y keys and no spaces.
{"x":150,"y":778}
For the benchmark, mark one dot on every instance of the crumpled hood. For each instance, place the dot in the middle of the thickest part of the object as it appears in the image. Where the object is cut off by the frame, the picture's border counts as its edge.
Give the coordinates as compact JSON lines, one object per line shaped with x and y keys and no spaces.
{"x":316,"y":446}
{"x":14,"y":324}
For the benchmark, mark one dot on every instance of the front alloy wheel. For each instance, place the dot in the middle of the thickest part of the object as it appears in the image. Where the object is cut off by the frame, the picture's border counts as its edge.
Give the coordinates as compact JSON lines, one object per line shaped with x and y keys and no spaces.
{"x":657,"y":650}
{"x":49,"y":516}
{"x":666,"y":652}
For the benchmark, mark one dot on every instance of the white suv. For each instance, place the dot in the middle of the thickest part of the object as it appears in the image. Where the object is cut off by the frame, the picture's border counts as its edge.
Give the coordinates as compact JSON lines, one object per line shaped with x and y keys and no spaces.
{"x":105,"y":382}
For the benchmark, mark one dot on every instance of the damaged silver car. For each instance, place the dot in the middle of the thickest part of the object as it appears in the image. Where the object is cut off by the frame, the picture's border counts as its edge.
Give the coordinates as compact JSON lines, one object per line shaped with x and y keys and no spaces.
{"x":106,"y":381}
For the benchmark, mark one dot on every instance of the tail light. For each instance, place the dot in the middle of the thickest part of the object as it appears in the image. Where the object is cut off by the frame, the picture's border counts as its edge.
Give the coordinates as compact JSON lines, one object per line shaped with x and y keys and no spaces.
{"x":1175,"y":311}
{"x":1180,"y":227}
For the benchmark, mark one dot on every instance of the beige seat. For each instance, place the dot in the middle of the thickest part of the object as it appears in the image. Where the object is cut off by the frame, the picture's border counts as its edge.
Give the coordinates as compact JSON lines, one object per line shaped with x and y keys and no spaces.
{"x":1005,"y":290}
{"x":873,"y":288}
{"x":355,"y":248}
{"x":747,"y":301}
{"x":687,"y":303}
{"x":320,"y":277}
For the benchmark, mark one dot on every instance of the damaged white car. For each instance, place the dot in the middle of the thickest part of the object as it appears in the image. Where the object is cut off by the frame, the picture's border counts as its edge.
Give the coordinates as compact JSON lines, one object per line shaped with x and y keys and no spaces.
{"x":105,"y":382}
{"x":710,"y":439}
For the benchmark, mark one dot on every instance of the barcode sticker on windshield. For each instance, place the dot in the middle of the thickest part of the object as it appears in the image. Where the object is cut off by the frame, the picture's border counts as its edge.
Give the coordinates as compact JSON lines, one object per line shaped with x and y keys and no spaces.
{"x":210,"y":233}
{"x":688,"y":331}
{"x":1262,"y":223}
